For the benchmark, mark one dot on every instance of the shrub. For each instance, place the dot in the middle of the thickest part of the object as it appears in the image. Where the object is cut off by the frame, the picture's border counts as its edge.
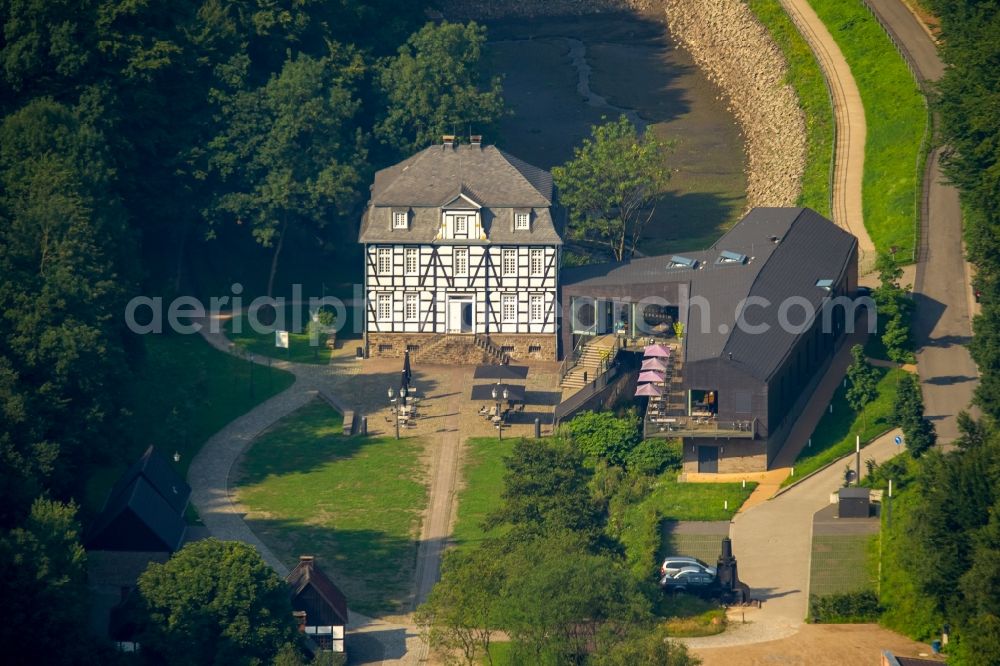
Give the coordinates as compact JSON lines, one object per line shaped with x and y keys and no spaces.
{"x":605,"y":436}
{"x":653,"y":456}
{"x":847,"y":608}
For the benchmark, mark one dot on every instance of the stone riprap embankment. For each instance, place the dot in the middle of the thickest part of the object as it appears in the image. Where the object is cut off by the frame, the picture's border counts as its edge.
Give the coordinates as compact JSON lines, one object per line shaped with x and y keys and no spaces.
{"x":736,"y":52}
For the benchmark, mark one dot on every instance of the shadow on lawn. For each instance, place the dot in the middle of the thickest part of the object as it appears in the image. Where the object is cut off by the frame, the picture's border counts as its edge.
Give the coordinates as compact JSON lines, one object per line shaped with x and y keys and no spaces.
{"x":373,"y":569}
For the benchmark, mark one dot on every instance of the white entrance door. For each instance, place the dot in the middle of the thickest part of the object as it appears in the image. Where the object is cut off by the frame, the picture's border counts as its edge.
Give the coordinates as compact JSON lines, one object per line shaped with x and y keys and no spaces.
{"x":460,"y":314}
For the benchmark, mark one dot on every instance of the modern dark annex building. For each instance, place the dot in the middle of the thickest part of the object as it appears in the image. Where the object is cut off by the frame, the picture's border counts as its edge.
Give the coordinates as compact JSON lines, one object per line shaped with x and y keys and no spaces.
{"x":761,"y":314}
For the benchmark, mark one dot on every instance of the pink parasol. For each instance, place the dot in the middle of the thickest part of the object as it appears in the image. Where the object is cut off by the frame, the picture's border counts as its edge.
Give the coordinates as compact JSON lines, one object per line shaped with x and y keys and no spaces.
{"x":650,"y":376}
{"x":656,"y":351}
{"x":654,"y":364}
{"x":647,"y":390}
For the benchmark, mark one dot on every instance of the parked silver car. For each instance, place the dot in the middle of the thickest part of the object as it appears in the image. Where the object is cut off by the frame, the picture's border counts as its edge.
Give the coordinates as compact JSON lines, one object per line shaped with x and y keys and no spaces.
{"x":673,"y":564}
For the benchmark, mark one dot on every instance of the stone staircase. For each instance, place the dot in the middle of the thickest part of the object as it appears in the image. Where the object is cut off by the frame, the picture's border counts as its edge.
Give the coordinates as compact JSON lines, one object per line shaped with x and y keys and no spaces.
{"x":453,"y":350}
{"x":589,"y":365}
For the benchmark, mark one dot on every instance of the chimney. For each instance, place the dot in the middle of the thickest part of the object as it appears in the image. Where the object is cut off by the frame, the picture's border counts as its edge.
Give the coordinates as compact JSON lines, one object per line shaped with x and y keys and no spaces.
{"x":448,"y":140}
{"x":300,"y":620}
{"x":476,"y":140}
{"x":307,"y":560}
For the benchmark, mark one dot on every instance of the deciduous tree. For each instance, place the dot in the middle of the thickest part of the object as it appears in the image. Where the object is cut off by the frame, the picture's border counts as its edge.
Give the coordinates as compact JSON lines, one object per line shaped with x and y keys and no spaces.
{"x":435,"y":85}
{"x":215,"y":602}
{"x":611,"y":185}
{"x":862,"y":383}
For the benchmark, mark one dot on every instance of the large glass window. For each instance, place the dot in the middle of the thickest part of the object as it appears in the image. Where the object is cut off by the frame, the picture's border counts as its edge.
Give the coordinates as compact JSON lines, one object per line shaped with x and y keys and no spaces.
{"x":461,"y":257}
{"x":411,"y":260}
{"x":384,"y":303}
{"x":536,"y":308}
{"x":384,"y":262}
{"x":410,"y":302}
{"x":536,"y":262}
{"x":508,"y":308}
{"x":508,"y":262}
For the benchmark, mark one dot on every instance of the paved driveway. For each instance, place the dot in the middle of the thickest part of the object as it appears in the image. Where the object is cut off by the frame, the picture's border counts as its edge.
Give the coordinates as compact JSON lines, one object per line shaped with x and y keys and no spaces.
{"x":942,"y":326}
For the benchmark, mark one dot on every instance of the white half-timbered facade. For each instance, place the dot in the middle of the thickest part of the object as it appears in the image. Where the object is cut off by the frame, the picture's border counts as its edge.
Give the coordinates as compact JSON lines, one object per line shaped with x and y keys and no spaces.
{"x":462,"y":240}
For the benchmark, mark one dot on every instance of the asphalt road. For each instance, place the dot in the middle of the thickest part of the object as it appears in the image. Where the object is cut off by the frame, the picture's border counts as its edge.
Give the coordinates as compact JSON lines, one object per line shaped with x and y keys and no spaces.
{"x":942,"y":326}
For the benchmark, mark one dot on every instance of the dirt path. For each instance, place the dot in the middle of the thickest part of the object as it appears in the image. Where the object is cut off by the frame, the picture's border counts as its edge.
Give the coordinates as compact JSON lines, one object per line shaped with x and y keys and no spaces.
{"x":816,"y":645}
{"x":849,"y":113}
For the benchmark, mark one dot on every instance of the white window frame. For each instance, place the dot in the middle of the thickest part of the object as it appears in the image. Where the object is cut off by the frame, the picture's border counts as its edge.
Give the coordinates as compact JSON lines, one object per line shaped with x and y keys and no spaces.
{"x":536,"y":255}
{"x":508,"y":254}
{"x":400,"y":219}
{"x":383,"y":254}
{"x":508,"y":302}
{"x":383,"y":299}
{"x":411,"y":254}
{"x":536,"y":301}
{"x":464,"y":229}
{"x":460,"y":270}
{"x":411,"y":299}
{"x":522,"y":221}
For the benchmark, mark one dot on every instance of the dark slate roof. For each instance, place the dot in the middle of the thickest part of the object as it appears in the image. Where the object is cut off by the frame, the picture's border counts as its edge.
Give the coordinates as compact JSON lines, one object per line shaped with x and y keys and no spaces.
{"x":307,"y":574}
{"x":161,"y":475}
{"x":494,"y":179}
{"x":133,"y":517}
{"x":787,"y":250}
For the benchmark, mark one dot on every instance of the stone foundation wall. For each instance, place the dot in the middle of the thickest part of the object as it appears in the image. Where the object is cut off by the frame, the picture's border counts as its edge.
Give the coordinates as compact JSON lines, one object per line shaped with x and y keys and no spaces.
{"x":533,"y":347}
{"x":459,"y":349}
{"x":393,"y":345}
{"x":734,"y":456}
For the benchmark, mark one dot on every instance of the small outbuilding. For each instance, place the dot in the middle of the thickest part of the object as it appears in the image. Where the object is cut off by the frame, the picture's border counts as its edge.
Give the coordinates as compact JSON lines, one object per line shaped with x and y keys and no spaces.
{"x":318,"y":605}
{"x":144,"y":511}
{"x":854,"y":503}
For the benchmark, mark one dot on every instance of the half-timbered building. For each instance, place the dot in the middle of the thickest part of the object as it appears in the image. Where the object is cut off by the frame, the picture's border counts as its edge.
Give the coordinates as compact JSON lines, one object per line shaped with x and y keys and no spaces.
{"x":462,"y":242}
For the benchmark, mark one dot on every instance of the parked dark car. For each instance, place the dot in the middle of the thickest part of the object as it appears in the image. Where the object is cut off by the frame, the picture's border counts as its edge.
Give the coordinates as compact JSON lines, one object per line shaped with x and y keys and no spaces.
{"x":693,"y":578}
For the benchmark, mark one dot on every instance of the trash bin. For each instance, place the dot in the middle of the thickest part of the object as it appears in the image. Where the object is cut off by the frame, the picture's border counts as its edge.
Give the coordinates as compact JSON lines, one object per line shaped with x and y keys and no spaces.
{"x":936,"y":647}
{"x":359,"y":353}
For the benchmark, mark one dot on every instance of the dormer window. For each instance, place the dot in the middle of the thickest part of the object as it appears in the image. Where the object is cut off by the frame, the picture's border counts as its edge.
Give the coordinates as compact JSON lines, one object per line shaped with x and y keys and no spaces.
{"x":522,"y":220}
{"x":400,"y":219}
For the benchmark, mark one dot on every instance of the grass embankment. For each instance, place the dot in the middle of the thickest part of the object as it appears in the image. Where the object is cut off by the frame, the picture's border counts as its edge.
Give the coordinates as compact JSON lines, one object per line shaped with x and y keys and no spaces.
{"x":896,"y":118}
{"x":835,"y":433}
{"x":806,"y":77}
{"x":354,"y":502}
{"x":670,"y":500}
{"x":184,"y":392}
{"x":906,"y":608}
{"x":688,"y":616}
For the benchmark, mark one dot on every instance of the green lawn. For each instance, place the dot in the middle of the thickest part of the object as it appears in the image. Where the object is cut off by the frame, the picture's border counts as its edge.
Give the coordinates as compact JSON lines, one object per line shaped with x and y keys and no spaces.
{"x":482,"y":477}
{"x":805,"y":76}
{"x":354,"y":502}
{"x":688,"y":616}
{"x":842,"y":563}
{"x":300,"y":350}
{"x":896,"y":118}
{"x":184,"y":392}
{"x":669,"y":500}
{"x":835,"y":434}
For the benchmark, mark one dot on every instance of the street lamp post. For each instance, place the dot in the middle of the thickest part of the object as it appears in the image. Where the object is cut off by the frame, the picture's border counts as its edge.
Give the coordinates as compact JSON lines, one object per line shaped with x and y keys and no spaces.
{"x":392,"y":400}
{"x":251,"y":373}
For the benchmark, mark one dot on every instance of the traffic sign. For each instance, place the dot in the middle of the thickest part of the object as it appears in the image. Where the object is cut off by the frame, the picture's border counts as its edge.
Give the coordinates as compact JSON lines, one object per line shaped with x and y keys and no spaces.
{"x":898,"y":440}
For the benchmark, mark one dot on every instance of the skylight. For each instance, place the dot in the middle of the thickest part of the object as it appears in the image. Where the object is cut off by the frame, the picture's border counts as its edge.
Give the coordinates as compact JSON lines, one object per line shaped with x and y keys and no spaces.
{"x":677,"y":261}
{"x":727,"y":257}
{"x":825,"y":284}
